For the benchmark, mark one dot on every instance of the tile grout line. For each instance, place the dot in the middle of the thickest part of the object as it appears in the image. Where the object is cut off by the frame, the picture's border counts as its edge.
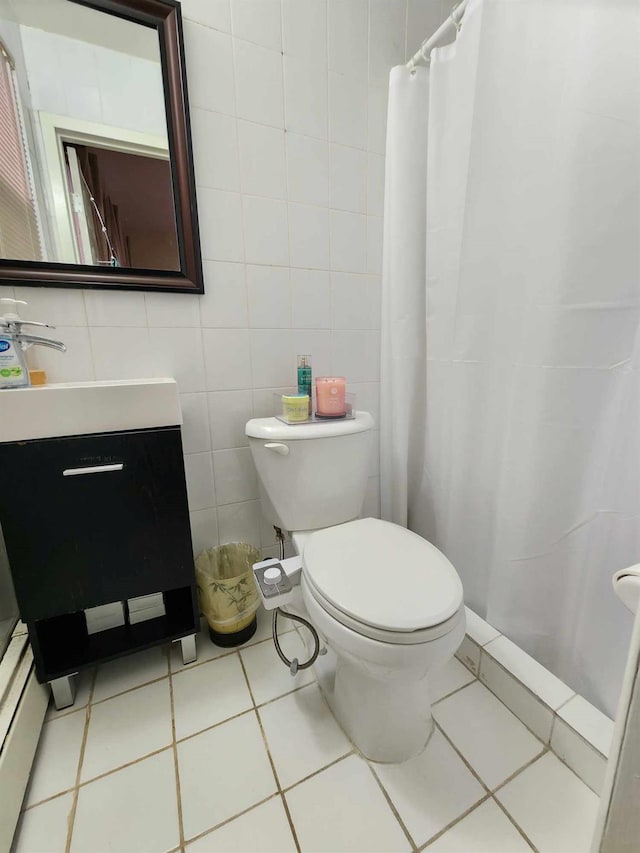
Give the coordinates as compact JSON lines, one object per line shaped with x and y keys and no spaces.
{"x":228,"y":820}
{"x":511,"y":711}
{"x":584,"y":740}
{"x":240,"y":714}
{"x":162,"y":749}
{"x":539,"y":701}
{"x":154,"y":752}
{"x":513,"y":821}
{"x":76,"y":792}
{"x":174,"y":750}
{"x":179,"y":671}
{"x":48,"y":799}
{"x":489,"y":793}
{"x":270,"y":757}
{"x":520,"y":683}
{"x":121,"y":767}
{"x":453,"y":692}
{"x":461,"y":756}
{"x":520,"y":770}
{"x":454,"y":822}
{"x":320,"y":770}
{"x":129,"y":690}
{"x":566,"y":702}
{"x":391,"y":805}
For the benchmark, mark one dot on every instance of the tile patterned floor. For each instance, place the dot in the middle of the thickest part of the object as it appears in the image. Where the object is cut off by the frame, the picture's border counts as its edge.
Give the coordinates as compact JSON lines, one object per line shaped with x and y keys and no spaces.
{"x":232,"y":755}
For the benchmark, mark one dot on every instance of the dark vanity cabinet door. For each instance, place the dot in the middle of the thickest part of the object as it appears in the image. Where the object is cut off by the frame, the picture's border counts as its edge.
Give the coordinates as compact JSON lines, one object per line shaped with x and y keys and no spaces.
{"x":93,"y":519}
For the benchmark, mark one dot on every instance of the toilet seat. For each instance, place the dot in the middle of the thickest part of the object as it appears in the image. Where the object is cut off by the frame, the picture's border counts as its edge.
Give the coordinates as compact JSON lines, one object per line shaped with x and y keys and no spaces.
{"x":383,"y":581}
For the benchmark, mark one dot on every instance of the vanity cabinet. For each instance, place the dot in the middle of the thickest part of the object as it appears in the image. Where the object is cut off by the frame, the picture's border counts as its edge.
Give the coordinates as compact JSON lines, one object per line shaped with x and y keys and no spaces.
{"x":90,"y":520}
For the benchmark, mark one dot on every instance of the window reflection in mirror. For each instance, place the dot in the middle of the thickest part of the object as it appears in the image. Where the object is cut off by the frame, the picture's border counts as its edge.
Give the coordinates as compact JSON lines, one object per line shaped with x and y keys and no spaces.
{"x":85,"y":175}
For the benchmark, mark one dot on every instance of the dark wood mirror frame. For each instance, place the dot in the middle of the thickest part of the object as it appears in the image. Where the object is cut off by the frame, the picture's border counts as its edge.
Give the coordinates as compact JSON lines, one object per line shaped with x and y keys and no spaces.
{"x":165,"y":16}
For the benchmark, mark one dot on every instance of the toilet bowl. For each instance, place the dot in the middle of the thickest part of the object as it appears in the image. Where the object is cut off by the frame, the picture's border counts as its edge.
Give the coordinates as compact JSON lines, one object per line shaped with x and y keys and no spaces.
{"x":387,"y":604}
{"x":389,"y":625}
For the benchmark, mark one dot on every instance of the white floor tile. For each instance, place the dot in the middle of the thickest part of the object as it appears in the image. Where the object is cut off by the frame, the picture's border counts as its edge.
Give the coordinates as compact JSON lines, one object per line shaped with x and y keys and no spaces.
{"x":56,"y":763}
{"x":130,"y":671}
{"x":268,"y":676}
{"x":448,"y":678}
{"x":488,"y":735}
{"x":222,"y":772}
{"x":554,"y":808}
{"x":135,"y":809}
{"x":83,"y":682}
{"x":302,"y":734}
{"x":43,"y":829}
{"x":127,"y":727}
{"x":267,"y":822}
{"x":486,"y":830}
{"x":208,"y":694}
{"x":431,"y":790}
{"x":343,"y":809}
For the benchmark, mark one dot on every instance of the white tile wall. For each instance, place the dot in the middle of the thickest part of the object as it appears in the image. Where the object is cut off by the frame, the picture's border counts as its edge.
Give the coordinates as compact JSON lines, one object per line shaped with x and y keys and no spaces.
{"x":114,"y":88}
{"x":291,"y":238}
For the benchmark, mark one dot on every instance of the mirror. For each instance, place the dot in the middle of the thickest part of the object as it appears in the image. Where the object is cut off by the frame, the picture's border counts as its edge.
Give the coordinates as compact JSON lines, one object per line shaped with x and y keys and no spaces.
{"x":96,"y":170}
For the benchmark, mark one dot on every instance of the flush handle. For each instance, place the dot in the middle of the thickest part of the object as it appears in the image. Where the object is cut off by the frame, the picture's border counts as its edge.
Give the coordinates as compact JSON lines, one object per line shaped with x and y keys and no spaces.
{"x":282,"y":449}
{"x":92,"y":469}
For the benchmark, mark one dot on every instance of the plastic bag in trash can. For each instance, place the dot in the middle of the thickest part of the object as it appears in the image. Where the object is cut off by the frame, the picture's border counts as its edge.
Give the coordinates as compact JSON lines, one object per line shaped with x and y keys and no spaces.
{"x":226,"y":588}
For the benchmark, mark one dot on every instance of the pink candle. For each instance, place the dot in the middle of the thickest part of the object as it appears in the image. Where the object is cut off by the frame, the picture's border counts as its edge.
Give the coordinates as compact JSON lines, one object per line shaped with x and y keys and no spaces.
{"x":330,"y":396}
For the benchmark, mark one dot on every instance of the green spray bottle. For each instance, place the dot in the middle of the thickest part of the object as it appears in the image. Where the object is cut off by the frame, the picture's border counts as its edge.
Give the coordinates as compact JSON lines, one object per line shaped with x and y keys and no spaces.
{"x":304,"y":378}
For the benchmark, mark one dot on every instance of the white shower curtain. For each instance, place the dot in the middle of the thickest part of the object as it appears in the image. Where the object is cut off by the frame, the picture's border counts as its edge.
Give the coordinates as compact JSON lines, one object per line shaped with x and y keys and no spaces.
{"x":510,"y":434}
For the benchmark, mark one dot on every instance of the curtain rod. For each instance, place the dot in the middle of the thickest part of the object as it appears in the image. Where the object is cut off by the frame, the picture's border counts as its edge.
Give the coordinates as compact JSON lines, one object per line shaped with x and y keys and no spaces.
{"x":422,"y":55}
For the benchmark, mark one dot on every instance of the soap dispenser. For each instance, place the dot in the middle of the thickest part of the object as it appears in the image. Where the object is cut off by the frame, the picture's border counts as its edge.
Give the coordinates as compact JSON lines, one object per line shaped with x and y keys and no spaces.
{"x":14,"y":371}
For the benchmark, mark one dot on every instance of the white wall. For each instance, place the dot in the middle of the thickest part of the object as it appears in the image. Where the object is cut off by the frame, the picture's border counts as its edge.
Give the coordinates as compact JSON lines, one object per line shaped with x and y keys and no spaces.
{"x":75,"y":78}
{"x":288,"y":103}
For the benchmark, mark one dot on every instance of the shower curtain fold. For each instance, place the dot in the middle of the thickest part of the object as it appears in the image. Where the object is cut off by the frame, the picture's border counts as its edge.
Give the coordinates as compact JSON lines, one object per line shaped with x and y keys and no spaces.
{"x":511,"y":348}
{"x":403,"y":305}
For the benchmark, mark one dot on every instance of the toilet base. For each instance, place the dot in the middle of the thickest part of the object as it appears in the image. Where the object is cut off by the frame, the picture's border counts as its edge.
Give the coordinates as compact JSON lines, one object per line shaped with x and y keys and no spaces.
{"x":401,"y":724}
{"x":389,"y":722}
{"x":384,"y":709}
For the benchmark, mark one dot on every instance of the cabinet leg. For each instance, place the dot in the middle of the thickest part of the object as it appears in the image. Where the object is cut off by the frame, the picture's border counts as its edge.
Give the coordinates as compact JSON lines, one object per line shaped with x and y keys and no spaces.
{"x":189,"y":653}
{"x":63,"y":691}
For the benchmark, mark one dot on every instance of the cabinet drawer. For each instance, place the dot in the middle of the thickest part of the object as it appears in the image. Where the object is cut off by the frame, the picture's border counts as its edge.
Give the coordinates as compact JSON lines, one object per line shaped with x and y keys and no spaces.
{"x":93,"y":519}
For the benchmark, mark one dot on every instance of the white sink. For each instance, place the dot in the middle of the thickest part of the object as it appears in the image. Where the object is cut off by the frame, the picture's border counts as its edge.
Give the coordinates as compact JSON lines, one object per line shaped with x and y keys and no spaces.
{"x":80,"y":408}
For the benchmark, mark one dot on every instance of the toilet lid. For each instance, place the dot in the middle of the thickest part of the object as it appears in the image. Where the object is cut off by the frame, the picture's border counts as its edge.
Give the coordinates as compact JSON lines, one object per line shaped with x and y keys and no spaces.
{"x":382,"y":575}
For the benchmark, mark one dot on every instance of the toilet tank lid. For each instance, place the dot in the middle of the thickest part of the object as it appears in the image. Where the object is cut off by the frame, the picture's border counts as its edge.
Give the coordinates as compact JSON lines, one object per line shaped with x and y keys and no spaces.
{"x":382,"y":575}
{"x":273,"y":429}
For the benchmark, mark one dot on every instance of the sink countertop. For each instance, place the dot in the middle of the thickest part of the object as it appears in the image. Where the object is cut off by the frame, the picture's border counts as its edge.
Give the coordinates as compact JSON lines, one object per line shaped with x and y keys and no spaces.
{"x":82,"y":408}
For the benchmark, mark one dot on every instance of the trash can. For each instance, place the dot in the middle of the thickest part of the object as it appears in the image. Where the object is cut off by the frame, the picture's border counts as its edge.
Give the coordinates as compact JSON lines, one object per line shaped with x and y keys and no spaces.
{"x":227,"y":592}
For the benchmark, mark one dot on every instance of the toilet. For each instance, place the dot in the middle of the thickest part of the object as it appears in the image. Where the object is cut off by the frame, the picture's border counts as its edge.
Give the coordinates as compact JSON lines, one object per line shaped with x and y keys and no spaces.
{"x":386,"y":603}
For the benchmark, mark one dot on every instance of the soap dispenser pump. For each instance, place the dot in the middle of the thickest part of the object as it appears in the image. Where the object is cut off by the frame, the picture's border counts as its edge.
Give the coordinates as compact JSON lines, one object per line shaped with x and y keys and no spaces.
{"x":14,"y":371}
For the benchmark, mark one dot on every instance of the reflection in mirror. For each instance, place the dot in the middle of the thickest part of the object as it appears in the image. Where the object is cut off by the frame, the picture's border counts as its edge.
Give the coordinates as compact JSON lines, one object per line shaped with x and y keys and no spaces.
{"x":85,"y":174}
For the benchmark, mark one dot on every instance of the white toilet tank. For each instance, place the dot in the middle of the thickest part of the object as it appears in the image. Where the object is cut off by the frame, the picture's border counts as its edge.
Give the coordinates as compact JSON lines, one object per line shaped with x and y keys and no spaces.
{"x":311,"y":475}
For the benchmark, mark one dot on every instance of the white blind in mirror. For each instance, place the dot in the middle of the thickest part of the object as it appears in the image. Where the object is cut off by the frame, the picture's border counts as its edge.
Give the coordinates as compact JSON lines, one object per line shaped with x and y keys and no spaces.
{"x":19,"y":239}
